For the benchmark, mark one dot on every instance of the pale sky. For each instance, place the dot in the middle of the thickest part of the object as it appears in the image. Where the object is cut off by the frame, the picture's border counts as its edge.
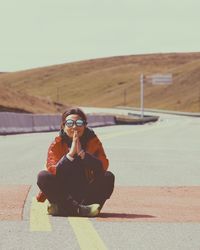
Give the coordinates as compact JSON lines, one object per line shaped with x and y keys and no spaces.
{"x":37,"y":33}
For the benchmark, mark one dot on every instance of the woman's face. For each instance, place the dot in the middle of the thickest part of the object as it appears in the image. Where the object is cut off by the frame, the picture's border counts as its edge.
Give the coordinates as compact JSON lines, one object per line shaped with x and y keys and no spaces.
{"x":72,"y":126}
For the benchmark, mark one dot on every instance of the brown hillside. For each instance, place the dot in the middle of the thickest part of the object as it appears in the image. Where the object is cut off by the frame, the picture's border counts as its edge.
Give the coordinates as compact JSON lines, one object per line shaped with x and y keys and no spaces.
{"x":114,"y":81}
{"x":12,"y":100}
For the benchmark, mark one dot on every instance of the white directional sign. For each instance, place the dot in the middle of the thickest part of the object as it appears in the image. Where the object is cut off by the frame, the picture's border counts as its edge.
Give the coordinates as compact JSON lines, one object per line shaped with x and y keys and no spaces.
{"x":158,"y":79}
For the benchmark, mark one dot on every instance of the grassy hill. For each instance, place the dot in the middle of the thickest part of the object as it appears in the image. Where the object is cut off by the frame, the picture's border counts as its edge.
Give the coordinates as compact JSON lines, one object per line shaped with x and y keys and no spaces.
{"x":14,"y":101}
{"x":106,"y":82}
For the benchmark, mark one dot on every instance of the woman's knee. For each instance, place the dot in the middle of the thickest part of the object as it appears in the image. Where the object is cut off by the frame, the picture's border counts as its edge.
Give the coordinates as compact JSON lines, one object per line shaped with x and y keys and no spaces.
{"x":43,"y":177}
{"x":109,"y":181}
{"x":110,"y":178}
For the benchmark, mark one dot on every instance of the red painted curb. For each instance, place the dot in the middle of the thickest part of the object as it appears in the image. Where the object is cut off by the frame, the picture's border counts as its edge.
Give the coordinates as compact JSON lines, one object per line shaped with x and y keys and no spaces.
{"x":12,"y":200}
{"x":153,"y":204}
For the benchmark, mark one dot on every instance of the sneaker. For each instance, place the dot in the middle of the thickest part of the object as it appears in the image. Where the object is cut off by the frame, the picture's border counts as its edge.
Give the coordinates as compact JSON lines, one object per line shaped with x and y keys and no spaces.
{"x":89,"y":210}
{"x":52,"y":209}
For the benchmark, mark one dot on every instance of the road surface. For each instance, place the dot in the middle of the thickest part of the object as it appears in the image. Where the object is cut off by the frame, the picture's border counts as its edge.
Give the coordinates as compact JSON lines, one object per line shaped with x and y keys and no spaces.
{"x":155,"y":205}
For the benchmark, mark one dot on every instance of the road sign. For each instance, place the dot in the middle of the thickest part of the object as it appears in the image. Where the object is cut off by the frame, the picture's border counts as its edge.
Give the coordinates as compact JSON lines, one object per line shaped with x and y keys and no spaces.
{"x":156,"y":79}
{"x":159,"y":79}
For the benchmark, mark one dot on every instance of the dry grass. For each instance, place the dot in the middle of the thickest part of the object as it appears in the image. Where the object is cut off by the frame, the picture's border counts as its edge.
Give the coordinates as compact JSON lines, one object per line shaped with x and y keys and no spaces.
{"x":15,"y":101}
{"x":104,"y":82}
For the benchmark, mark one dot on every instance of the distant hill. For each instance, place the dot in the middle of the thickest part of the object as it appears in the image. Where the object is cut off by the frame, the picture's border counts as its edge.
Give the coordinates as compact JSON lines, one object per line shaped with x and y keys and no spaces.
{"x":14,"y":101}
{"x":107,"y":82}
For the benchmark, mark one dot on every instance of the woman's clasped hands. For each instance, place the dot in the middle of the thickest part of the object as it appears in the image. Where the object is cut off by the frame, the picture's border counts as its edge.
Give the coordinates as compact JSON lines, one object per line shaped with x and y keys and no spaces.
{"x":76,"y":146}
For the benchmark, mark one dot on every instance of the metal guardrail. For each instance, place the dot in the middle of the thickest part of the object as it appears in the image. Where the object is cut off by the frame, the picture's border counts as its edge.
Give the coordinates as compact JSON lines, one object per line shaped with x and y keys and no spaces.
{"x":193,"y":114}
{"x":15,"y":123}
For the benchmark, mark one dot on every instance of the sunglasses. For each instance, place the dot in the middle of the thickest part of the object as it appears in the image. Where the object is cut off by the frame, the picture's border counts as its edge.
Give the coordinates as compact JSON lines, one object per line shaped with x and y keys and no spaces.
{"x":70,"y":123}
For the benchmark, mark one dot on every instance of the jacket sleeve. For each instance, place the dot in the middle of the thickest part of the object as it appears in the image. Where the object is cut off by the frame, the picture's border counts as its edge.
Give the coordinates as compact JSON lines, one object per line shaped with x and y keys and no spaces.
{"x":55,"y":153}
{"x":95,"y":153}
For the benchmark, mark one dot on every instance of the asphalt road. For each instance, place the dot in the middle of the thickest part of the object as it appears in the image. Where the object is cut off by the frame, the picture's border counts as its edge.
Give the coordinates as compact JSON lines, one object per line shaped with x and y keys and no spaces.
{"x":161,"y":154}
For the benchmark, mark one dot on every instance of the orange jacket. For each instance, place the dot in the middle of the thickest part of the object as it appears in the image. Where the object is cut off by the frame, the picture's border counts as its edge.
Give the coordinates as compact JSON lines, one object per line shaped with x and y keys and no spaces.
{"x":59,"y":148}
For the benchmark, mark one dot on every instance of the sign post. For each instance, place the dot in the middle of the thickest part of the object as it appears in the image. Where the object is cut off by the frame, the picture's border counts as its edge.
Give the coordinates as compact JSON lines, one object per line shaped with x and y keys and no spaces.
{"x":156,"y":79}
{"x":142,"y":95}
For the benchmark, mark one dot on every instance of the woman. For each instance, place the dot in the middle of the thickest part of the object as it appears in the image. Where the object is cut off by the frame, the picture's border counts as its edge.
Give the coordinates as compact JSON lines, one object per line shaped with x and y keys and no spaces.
{"x":76,"y":181}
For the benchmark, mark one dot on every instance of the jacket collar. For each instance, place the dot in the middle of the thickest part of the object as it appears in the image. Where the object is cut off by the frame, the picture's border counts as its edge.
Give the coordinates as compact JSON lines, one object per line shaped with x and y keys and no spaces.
{"x":87,"y":135}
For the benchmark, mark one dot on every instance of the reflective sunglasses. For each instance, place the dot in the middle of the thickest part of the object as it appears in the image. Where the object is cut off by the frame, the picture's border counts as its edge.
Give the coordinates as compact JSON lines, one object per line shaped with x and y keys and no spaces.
{"x":70,"y":123}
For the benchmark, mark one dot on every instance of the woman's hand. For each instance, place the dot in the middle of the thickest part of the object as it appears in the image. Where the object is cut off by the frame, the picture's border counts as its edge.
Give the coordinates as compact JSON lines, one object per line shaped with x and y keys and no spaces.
{"x":78,"y":146}
{"x":74,"y":146}
{"x":79,"y":150}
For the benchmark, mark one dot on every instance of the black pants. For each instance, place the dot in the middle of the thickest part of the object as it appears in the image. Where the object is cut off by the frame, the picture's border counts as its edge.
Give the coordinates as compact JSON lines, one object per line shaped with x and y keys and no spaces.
{"x":69,"y":187}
